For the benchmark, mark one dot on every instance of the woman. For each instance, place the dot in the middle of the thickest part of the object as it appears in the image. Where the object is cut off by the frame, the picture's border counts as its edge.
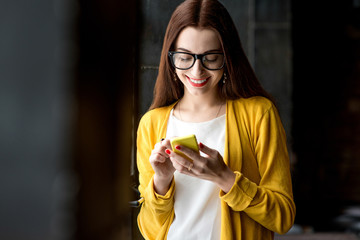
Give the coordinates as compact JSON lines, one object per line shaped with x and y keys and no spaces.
{"x":239,"y":186}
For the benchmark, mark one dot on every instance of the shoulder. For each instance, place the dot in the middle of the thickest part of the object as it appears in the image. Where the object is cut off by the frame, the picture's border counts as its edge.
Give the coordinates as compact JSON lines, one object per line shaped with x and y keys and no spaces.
{"x":252,"y":105}
{"x":156,"y":115}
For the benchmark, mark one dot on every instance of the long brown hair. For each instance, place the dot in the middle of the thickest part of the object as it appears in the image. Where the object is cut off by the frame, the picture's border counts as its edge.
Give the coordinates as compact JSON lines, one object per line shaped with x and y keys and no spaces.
{"x":241,"y":80}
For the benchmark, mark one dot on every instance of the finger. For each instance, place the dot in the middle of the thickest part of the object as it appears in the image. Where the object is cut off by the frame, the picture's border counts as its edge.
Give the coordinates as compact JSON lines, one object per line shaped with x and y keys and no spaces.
{"x":208,"y":151}
{"x":185,"y":167}
{"x":180,"y":163}
{"x":176,"y":164}
{"x":157,"y":157}
{"x":188,"y":152}
{"x":166,"y":143}
{"x":160,"y":148}
{"x":160,"y":143}
{"x":190,"y":167}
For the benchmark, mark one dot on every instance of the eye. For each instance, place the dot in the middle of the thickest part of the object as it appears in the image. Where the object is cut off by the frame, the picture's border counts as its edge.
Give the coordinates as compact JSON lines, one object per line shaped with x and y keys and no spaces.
{"x":211,"y":58}
{"x":184,"y":57}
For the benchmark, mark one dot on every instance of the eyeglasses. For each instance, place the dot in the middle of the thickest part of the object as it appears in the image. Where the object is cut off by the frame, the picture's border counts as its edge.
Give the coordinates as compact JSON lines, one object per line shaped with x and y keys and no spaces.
{"x":184,"y":60}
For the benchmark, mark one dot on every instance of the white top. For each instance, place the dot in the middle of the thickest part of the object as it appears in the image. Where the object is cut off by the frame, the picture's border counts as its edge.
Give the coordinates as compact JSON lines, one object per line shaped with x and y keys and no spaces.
{"x":197,"y":203}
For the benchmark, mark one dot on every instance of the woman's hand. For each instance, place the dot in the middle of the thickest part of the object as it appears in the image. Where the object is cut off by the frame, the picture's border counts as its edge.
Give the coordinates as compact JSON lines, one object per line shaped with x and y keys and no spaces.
{"x":211,"y":167}
{"x":164,"y":170}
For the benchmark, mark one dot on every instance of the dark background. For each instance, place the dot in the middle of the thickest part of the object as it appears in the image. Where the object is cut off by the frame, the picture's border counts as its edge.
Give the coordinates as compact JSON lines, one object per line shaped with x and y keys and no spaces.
{"x":76,"y":76}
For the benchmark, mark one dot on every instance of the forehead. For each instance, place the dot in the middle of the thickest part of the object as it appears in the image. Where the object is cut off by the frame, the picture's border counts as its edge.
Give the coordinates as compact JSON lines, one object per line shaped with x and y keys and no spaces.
{"x":198,"y":40}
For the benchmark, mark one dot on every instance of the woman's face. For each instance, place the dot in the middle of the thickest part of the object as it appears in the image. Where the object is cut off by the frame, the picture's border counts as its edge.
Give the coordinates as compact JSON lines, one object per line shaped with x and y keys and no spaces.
{"x":198,"y":80}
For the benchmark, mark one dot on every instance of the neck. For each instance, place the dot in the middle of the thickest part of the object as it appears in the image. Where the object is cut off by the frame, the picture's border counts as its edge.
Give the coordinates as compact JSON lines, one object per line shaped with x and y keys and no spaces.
{"x":201,"y":102}
{"x":199,"y":108}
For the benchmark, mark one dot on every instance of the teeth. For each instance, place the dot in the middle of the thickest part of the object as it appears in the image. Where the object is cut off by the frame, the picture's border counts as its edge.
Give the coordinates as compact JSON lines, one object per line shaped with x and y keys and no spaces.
{"x":198,"y":81}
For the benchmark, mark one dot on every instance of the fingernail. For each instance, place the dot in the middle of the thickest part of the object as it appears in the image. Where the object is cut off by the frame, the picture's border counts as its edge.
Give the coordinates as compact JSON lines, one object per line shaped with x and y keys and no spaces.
{"x":167,"y":151}
{"x":201,"y":145}
{"x":177,"y":147}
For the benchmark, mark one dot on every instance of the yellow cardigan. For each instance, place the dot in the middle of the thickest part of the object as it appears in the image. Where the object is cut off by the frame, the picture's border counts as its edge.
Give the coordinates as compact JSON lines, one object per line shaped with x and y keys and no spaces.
{"x":259,"y":203}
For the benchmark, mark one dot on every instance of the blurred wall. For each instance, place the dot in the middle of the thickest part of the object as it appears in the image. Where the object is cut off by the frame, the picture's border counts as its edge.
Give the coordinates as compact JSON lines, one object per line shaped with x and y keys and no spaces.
{"x":326,"y":120}
{"x":67,"y":105}
{"x":36,"y":185}
{"x":105,"y":98}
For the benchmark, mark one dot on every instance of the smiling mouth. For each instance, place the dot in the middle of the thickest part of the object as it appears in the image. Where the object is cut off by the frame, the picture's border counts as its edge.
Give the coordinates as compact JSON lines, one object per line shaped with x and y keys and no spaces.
{"x":197,"y":82}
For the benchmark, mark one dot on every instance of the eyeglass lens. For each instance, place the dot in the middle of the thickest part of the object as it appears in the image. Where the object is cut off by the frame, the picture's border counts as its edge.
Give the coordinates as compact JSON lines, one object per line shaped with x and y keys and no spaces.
{"x":212,"y":61}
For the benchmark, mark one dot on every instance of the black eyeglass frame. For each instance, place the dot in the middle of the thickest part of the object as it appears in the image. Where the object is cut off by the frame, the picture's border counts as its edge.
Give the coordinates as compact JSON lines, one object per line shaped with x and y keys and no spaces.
{"x":195,"y":57}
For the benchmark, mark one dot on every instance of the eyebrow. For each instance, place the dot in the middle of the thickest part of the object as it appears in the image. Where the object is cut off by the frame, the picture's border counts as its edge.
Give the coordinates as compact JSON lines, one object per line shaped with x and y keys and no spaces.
{"x":208,"y":51}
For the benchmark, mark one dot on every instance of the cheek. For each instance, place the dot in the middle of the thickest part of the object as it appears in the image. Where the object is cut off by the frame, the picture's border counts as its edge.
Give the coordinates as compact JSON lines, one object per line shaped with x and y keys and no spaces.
{"x":218,"y":76}
{"x":180,"y":74}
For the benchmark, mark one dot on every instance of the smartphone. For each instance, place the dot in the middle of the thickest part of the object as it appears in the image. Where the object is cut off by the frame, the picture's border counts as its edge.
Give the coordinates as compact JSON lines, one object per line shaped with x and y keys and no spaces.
{"x":188,"y":141}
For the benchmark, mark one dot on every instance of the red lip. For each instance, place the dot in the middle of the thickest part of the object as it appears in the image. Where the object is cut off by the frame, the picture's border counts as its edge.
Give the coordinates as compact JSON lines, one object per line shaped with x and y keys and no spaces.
{"x":201,"y":84}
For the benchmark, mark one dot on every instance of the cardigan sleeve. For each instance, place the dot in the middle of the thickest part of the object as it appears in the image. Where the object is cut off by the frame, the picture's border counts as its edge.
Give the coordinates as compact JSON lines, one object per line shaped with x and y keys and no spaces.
{"x":156,"y":213}
{"x":270,"y":202}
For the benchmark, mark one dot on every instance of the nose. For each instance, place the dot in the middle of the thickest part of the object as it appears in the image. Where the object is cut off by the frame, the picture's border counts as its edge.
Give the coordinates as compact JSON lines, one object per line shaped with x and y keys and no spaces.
{"x":197,"y":69}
